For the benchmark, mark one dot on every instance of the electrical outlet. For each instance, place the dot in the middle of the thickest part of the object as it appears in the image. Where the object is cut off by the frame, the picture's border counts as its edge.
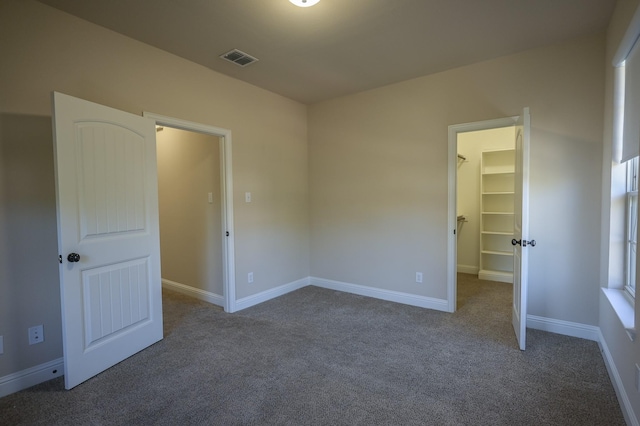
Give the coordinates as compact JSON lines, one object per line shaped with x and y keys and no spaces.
{"x":1,"y":345}
{"x":36,"y":335}
{"x":419,"y":277}
{"x":250,"y":277}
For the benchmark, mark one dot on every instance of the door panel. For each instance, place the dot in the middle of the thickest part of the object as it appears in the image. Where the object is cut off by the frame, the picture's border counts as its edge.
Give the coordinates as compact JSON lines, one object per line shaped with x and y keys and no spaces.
{"x":107,"y":202}
{"x":116,"y":298}
{"x":111,"y":176}
{"x":521,"y":228}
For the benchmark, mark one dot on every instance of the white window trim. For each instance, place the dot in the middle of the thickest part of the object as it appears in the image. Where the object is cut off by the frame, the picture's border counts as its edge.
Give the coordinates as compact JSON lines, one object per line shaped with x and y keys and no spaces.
{"x":623,"y":309}
{"x":631,"y":228}
{"x":631,"y":245}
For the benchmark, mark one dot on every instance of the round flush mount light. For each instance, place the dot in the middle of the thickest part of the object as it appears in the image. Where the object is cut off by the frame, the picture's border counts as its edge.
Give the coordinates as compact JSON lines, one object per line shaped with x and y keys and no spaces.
{"x":304,"y":3}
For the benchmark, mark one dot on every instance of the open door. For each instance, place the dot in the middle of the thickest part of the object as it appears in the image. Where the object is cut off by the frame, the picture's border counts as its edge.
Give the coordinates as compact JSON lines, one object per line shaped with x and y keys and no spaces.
{"x":521,"y":228}
{"x":108,"y":237}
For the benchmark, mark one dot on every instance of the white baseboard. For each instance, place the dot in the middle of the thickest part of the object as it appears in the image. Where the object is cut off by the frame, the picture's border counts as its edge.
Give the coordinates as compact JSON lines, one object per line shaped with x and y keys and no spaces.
{"x":623,"y":397}
{"x":377,"y":293}
{"x":467,"y":269}
{"x":20,"y":380}
{"x":207,"y":296}
{"x":257,"y":298}
{"x":503,"y":277}
{"x":567,"y":328}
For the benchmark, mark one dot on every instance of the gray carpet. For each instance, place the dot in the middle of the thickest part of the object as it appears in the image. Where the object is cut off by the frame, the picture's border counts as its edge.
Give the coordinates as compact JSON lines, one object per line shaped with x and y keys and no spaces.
{"x":320,"y":357}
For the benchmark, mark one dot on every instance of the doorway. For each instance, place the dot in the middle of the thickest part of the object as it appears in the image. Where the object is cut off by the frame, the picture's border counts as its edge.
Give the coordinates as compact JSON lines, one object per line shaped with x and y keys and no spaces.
{"x":485,"y":201}
{"x":215,"y":200}
{"x":190,"y":213}
{"x":467,"y":142}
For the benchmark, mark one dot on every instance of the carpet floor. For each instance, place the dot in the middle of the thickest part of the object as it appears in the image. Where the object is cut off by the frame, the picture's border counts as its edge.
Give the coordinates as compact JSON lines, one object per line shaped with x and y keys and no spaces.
{"x":323,"y":357}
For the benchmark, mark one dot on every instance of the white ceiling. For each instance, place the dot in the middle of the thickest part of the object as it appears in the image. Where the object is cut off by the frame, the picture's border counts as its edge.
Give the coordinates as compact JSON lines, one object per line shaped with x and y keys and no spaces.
{"x":340,"y":47}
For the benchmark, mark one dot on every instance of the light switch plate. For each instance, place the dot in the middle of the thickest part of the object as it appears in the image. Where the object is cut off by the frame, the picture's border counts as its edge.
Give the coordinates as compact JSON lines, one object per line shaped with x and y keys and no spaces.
{"x":247,"y":197}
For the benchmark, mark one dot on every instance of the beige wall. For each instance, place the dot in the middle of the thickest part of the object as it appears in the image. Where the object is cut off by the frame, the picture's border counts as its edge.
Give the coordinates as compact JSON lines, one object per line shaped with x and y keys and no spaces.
{"x":43,"y":49}
{"x":29,"y":285}
{"x":378,"y":175}
{"x":471,"y":145}
{"x":625,"y":353}
{"x":190,"y":226}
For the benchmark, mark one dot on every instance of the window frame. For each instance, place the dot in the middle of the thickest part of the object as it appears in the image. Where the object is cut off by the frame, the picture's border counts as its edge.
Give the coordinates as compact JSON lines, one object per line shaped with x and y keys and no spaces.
{"x":631,"y":227}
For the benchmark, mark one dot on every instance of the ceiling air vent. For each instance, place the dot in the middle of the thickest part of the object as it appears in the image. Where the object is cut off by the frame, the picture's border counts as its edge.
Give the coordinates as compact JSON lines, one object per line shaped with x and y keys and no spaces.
{"x":238,"y":57}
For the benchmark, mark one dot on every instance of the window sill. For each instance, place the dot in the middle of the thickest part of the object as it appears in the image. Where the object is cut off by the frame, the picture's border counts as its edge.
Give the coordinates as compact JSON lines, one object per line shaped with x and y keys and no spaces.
{"x":623,"y":308}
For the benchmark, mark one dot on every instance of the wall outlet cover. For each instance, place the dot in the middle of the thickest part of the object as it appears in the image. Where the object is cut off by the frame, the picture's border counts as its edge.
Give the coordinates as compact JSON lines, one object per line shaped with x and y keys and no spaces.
{"x":36,"y":334}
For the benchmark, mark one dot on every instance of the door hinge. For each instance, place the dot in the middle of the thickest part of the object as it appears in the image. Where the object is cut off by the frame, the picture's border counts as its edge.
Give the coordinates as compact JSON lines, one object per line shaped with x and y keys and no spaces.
{"x":60,"y":258}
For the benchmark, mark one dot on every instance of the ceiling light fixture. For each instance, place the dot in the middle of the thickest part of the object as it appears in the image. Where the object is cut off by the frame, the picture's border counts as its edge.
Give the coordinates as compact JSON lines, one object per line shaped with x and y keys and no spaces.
{"x":304,"y":3}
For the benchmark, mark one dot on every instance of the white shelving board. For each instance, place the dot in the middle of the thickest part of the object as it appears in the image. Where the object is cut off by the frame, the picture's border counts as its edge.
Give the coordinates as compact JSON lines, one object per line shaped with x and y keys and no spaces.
{"x":497,"y":169}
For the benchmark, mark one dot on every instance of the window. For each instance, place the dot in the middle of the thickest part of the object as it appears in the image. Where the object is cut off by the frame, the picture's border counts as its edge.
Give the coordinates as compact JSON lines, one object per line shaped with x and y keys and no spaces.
{"x":623,"y":235}
{"x":631,"y":227}
{"x":627,"y":140}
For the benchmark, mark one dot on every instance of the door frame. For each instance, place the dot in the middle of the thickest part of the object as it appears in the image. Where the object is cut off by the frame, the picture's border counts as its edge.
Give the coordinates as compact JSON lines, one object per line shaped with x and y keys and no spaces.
{"x":452,"y":240}
{"x":226,"y":177}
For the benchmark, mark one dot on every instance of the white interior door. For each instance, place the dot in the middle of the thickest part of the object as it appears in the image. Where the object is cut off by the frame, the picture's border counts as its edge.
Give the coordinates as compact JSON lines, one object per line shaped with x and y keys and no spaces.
{"x":521,"y":228}
{"x":108,"y":237}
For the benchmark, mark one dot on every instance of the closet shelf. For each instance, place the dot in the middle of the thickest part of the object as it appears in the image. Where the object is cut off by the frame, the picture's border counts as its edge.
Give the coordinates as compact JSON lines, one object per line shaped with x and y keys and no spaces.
{"x":499,"y":172}
{"x":509,"y":234}
{"x":496,"y":214}
{"x":498,"y":193}
{"x":492,"y":275}
{"x":497,"y":252}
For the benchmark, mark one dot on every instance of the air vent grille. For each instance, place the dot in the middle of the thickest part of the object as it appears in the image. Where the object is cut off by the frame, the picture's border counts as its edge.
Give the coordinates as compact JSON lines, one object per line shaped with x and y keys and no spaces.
{"x":238,"y":57}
